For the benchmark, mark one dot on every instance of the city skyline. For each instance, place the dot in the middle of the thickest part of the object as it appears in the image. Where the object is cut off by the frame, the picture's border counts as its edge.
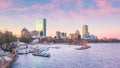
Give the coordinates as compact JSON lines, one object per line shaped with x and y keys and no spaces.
{"x":101,"y":16}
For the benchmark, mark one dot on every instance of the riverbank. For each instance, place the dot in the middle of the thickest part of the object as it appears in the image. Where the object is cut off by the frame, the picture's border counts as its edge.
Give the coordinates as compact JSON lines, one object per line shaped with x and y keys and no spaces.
{"x":8,"y":62}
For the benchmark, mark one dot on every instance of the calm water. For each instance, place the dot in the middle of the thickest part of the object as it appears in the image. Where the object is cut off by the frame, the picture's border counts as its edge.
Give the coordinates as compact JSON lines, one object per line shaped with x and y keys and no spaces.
{"x":100,"y":55}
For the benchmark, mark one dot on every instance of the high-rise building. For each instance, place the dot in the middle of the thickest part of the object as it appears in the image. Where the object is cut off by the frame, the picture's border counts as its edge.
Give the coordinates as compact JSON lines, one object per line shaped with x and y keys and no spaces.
{"x":41,"y":27}
{"x":58,"y":35}
{"x":85,"y":31}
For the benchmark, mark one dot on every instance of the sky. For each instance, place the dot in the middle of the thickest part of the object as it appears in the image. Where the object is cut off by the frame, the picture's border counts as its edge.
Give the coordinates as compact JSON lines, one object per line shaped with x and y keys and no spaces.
{"x":101,"y":16}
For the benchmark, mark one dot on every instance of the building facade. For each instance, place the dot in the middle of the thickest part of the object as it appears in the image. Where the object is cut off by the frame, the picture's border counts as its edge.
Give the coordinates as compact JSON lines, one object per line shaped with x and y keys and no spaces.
{"x":71,"y":35}
{"x":34,"y":34}
{"x":63,"y":35}
{"x":58,"y":35}
{"x":25,"y":33}
{"x":77,"y":35}
{"x":41,"y":27}
{"x":85,"y":32}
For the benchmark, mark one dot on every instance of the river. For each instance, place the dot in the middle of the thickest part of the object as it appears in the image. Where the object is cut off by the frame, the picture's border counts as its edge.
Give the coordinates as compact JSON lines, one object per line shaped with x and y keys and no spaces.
{"x":100,"y":55}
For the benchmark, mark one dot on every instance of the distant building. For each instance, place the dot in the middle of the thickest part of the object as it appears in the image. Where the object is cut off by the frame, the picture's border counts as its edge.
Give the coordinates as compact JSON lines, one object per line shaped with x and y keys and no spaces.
{"x":9,"y":33}
{"x":63,"y":35}
{"x":25,"y":33}
{"x":71,"y":35}
{"x":41,"y":27}
{"x":77,"y":35}
{"x":34,"y":34}
{"x":85,"y":32}
{"x":92,"y":37}
{"x":58,"y":35}
{"x":77,"y":32}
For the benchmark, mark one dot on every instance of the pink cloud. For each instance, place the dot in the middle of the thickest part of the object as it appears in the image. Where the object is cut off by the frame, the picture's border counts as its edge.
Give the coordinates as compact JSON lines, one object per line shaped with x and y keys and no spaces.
{"x":102,"y":3}
{"x":42,"y":7}
{"x":62,"y":1}
{"x":114,"y":0}
{"x":58,"y":14}
{"x":67,"y":3}
{"x":76,"y":16}
{"x":5,"y":4}
{"x":21,"y":9}
{"x":38,"y":15}
{"x":33,"y":7}
{"x":105,"y":8}
{"x":25,"y":17}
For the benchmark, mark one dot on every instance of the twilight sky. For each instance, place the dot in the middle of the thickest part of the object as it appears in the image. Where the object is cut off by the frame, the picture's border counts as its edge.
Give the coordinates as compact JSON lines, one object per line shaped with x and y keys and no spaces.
{"x":101,"y":16}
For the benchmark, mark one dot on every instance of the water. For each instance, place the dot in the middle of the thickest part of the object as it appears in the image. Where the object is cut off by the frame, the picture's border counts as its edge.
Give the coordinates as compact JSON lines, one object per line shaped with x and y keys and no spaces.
{"x":100,"y":55}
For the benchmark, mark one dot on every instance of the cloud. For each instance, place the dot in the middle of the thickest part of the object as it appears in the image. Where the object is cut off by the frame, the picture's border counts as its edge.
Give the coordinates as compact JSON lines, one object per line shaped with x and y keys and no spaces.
{"x":103,"y":7}
{"x":102,"y":3}
{"x":5,"y":4}
{"x":72,"y":11}
{"x":21,"y":9}
{"x":53,"y":9}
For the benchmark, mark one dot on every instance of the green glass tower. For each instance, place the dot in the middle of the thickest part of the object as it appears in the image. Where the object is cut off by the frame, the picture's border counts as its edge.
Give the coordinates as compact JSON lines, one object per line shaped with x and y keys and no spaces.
{"x":41,"y":27}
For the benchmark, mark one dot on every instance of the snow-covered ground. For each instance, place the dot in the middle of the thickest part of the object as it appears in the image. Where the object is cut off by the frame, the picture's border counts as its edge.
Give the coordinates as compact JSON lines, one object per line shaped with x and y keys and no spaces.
{"x":100,"y":55}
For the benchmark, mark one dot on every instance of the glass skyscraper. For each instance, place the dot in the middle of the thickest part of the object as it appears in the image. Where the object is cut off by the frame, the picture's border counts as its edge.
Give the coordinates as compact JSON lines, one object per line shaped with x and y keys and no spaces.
{"x":41,"y":27}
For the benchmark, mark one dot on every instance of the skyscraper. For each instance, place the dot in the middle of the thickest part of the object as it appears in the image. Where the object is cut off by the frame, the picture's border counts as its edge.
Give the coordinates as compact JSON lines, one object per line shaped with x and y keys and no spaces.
{"x":41,"y":27}
{"x":85,"y":31}
{"x":58,"y":33}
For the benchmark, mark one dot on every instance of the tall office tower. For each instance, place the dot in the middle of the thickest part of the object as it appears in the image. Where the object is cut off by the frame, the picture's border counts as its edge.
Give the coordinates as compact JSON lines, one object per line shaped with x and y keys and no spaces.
{"x":58,"y":35}
{"x":41,"y":27}
{"x":85,"y":31}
